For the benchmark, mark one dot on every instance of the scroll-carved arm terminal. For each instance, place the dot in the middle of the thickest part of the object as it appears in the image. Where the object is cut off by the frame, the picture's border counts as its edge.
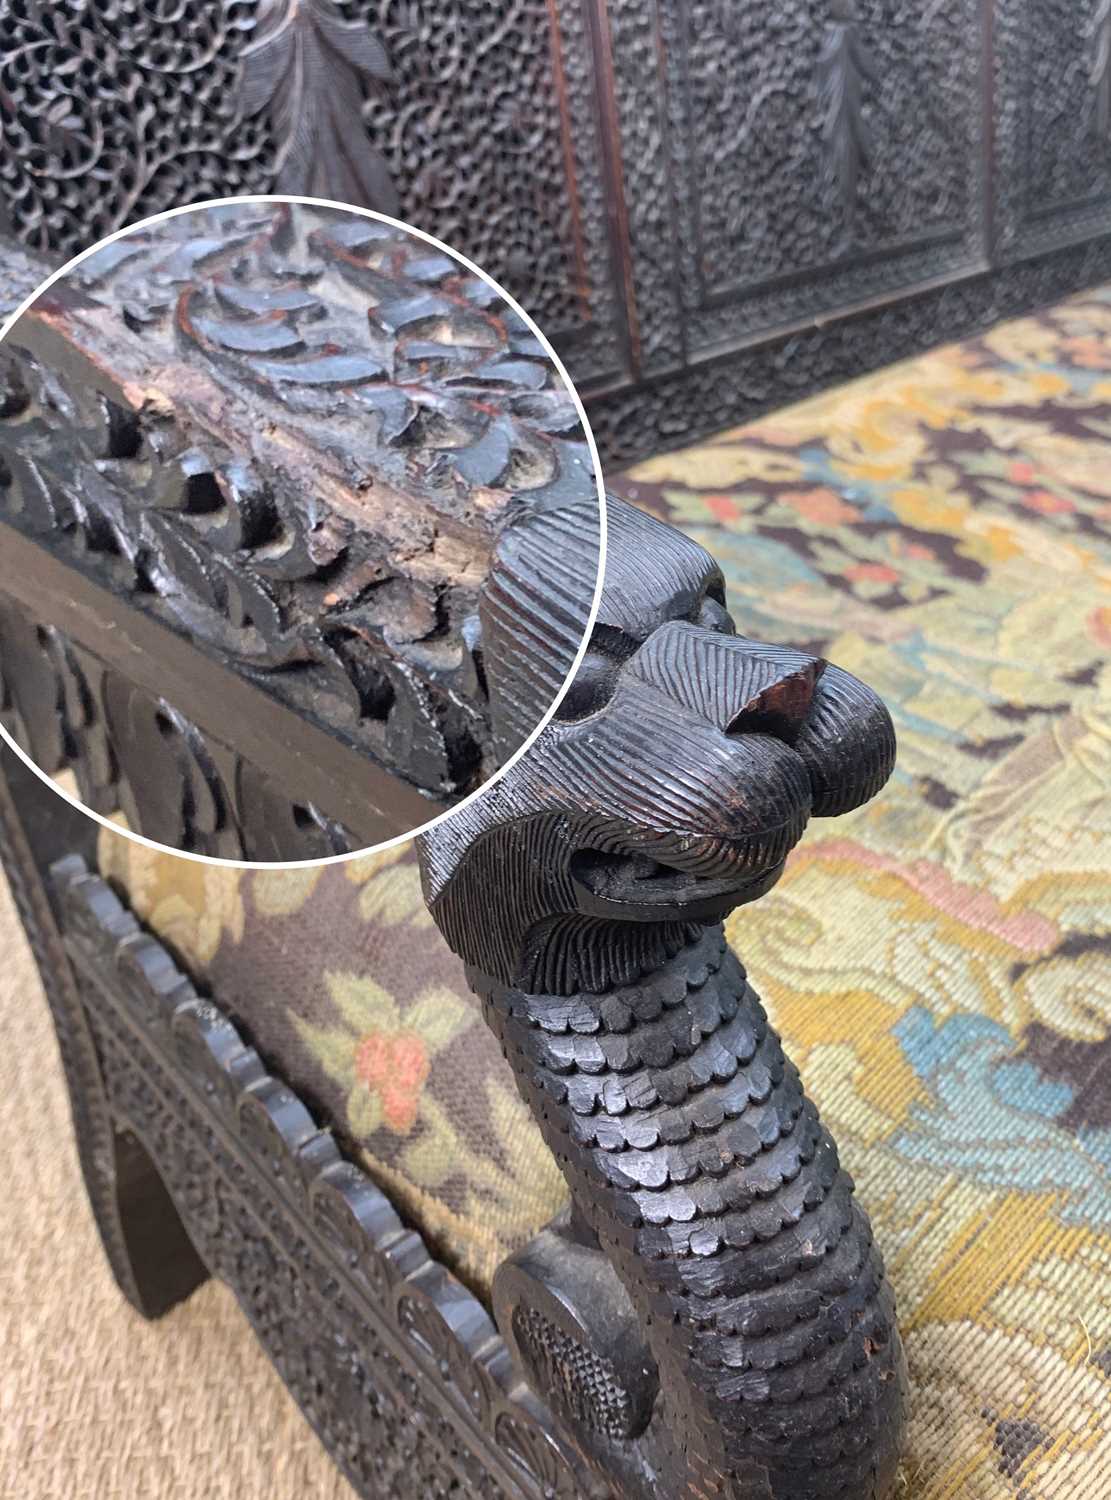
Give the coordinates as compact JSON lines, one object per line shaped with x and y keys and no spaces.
{"x":586,"y":892}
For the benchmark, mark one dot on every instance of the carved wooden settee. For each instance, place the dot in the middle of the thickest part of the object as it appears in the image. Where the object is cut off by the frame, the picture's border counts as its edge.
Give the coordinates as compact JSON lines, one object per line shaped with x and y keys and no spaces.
{"x":336,"y":1135}
{"x":585,"y":893}
{"x":933,"y":960}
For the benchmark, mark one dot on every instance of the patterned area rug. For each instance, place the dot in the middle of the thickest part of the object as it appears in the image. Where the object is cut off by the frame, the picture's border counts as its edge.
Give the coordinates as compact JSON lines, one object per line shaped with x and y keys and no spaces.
{"x":938,"y":963}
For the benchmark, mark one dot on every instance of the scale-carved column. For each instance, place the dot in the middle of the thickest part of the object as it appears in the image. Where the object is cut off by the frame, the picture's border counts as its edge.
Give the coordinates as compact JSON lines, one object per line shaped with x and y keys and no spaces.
{"x":747,"y":1345}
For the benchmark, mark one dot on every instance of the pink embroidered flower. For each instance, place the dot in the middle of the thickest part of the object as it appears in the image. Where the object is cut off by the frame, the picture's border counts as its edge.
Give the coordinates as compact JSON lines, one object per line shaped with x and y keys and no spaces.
{"x":873,"y":572}
{"x":1099,"y":623}
{"x":395,"y":1067}
{"x":918,"y":551}
{"x":822,"y":506}
{"x":1087,"y":352}
{"x":722,"y":507}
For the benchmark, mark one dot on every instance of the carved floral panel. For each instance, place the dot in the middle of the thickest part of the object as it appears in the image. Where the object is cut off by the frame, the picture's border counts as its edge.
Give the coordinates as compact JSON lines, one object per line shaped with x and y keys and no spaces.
{"x":476,"y":123}
{"x":1053,"y":122}
{"x":807,"y":155}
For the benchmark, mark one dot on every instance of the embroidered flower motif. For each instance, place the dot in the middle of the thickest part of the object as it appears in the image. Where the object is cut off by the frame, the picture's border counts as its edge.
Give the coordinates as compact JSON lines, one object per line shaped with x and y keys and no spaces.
{"x":381,"y":1054}
{"x":395,"y":1068}
{"x":282,"y":892}
{"x":1049,"y":504}
{"x":723,"y":508}
{"x":391,"y":894}
{"x":822,"y":506}
{"x":871,"y":572}
{"x":1099,"y":624}
{"x":191,"y":906}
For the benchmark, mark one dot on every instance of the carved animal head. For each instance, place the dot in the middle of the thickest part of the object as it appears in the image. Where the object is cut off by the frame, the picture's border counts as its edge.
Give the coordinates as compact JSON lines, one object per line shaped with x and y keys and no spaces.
{"x":680,"y":769}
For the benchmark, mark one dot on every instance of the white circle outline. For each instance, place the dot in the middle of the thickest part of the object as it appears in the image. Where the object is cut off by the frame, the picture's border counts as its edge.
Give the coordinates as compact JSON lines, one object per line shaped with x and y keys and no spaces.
{"x":400,"y":838}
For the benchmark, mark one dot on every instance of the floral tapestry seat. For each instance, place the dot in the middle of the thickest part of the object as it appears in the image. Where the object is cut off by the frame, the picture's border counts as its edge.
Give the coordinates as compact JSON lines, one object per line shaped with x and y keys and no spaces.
{"x":939,"y":962}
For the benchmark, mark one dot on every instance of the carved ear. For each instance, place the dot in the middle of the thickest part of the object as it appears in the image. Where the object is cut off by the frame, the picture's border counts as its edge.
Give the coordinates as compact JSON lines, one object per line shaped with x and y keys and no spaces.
{"x":847,"y":743}
{"x":742,"y":687}
{"x":534,"y":607}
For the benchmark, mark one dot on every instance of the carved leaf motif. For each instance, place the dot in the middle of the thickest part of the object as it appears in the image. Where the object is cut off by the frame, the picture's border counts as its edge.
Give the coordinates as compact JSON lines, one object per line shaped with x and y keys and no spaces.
{"x":1101,"y":67}
{"x":307,"y":70}
{"x":844,"y":66}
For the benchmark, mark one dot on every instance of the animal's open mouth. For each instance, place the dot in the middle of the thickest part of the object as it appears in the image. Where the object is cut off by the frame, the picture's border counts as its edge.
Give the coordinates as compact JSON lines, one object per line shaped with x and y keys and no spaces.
{"x":641,"y":889}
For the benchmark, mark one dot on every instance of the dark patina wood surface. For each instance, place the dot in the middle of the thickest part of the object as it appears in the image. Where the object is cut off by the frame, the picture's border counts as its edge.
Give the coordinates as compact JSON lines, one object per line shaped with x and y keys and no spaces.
{"x":292,"y":437}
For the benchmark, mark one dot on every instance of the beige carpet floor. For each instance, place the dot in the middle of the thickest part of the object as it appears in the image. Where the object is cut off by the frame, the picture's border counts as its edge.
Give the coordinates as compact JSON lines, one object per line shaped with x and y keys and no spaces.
{"x":95,"y":1401}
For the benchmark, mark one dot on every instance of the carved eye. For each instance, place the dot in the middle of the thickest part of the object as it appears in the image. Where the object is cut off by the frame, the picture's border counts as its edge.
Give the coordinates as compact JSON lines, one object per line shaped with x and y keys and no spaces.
{"x":711,"y":613}
{"x":597,"y":676}
{"x":592,"y":688}
{"x":611,"y":646}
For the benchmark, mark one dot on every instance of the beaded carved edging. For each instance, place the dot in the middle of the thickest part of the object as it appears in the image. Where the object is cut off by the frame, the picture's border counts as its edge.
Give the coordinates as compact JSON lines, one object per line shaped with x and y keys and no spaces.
{"x":91,"y":1121}
{"x":398,"y":1368}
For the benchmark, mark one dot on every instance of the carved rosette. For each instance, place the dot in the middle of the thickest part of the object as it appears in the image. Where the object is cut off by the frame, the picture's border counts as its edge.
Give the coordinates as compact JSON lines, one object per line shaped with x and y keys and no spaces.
{"x":586,"y":893}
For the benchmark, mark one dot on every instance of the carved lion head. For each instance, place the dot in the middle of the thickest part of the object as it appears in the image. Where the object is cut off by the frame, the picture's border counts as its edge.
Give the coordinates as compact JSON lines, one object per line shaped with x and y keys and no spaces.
{"x":680,"y":769}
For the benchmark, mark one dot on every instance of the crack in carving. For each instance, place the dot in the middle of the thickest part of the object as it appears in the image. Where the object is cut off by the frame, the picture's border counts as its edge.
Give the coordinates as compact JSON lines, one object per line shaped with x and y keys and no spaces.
{"x":346,"y":419}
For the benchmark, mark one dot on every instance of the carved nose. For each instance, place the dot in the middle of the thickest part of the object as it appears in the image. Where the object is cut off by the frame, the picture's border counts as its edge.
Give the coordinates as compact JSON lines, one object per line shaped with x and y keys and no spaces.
{"x":740,"y":686}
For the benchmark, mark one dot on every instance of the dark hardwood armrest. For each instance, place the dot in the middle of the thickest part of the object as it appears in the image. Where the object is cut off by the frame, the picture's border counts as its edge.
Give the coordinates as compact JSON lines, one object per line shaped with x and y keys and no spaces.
{"x":713,"y":1316}
{"x":254,"y":463}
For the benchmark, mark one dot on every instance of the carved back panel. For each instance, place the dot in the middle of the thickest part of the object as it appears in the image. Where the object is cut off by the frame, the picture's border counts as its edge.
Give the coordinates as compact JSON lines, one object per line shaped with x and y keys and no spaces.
{"x":712,"y":207}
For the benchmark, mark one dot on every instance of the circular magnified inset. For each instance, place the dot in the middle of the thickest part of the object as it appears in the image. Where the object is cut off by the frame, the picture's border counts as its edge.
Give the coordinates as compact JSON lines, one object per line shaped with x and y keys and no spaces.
{"x":300,"y":530}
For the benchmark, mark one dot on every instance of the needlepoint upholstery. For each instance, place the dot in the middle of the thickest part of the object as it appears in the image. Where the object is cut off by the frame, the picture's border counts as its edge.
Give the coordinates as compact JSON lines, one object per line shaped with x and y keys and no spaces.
{"x":937,"y":962}
{"x":339,"y":977}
